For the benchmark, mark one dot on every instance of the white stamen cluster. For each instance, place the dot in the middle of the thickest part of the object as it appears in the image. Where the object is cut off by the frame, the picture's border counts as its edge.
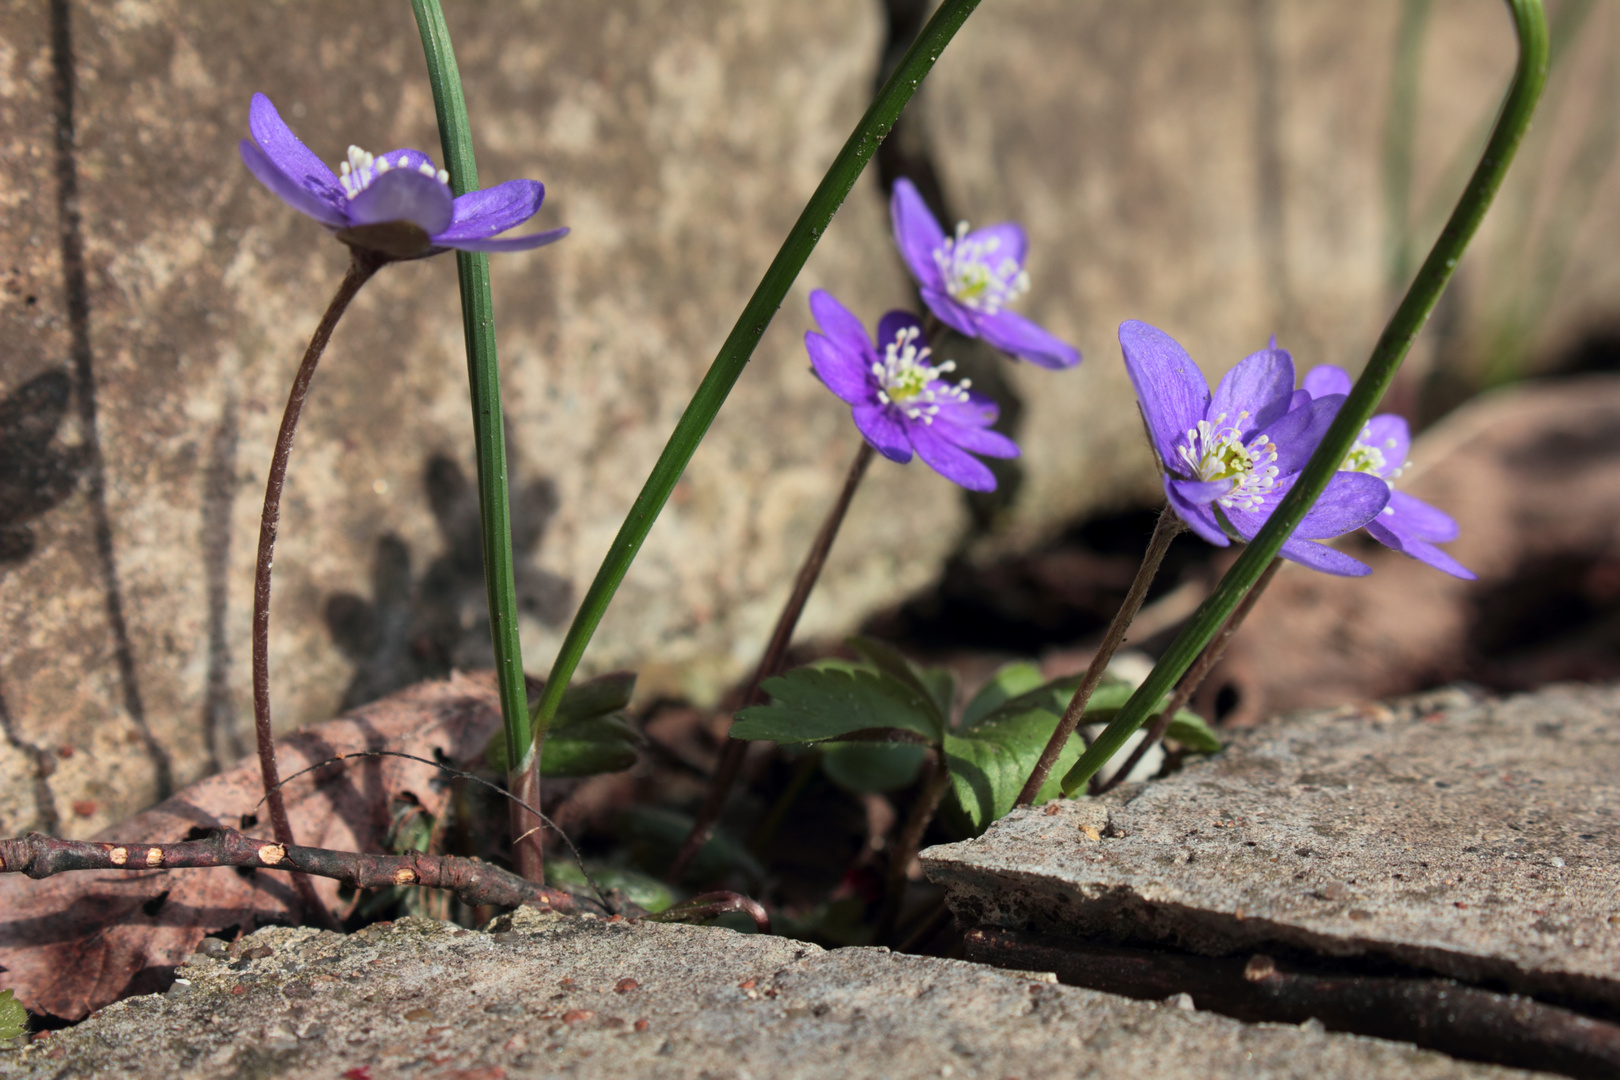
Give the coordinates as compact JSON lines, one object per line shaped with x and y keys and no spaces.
{"x":1214,"y":452}
{"x":1367,"y":458}
{"x":907,"y":381}
{"x":973,"y":277}
{"x":357,"y":173}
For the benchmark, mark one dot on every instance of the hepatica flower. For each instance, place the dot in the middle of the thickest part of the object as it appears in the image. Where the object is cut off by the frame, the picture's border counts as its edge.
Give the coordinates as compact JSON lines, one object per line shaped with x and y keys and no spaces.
{"x":896,"y":395}
{"x":397,"y":204}
{"x":1229,"y":458}
{"x":968,"y":279}
{"x":1407,"y":524}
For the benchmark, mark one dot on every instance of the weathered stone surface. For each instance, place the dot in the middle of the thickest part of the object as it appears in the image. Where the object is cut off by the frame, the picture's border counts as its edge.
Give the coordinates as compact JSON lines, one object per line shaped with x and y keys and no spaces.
{"x":550,"y":996}
{"x":678,"y":141}
{"x":1472,"y":839}
{"x":1220,"y":171}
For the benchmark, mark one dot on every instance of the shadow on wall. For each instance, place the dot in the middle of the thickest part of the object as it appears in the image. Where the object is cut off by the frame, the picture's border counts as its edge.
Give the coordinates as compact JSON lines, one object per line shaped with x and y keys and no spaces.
{"x":36,"y":473}
{"x":414,"y":629}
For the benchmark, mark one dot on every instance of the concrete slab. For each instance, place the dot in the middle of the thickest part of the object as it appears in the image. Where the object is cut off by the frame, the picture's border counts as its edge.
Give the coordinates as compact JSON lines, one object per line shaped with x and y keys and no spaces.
{"x":552,"y":996}
{"x":1473,"y":839}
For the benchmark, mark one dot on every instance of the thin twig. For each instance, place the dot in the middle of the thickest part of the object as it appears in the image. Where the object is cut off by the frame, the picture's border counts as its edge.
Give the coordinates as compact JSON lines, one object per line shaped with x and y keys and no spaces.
{"x":907,"y":843}
{"x":731,"y":758}
{"x":362,"y":265}
{"x":1163,"y":533}
{"x":1191,"y":681}
{"x":547,"y":822}
{"x":475,"y":882}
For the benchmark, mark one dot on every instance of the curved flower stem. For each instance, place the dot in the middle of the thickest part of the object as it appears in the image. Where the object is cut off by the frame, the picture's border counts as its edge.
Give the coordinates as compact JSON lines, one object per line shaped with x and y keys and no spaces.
{"x":907,"y":843}
{"x":740,"y":343}
{"x":1530,"y":22}
{"x":1168,"y":526}
{"x":362,"y":265}
{"x":484,"y":385}
{"x":731,"y":758}
{"x":1191,"y":681}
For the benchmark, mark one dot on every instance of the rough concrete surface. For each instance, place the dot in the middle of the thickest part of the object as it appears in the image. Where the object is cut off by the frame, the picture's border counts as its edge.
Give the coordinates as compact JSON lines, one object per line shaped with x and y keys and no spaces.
{"x":1476,"y":839}
{"x":552,"y":996}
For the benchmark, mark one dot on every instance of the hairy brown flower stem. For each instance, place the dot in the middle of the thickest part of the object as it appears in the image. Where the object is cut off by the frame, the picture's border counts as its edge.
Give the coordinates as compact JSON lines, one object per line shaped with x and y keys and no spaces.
{"x":731,"y":757}
{"x":473,"y":881}
{"x":1194,"y":678}
{"x":1163,"y":532}
{"x":909,"y":841}
{"x":362,"y":265}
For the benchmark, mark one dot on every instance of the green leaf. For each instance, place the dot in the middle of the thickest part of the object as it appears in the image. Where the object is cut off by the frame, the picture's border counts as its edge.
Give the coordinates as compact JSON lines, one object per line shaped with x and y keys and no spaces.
{"x":13,"y":1017}
{"x":1008,"y":682}
{"x":1189,"y":729}
{"x":810,"y":704}
{"x":867,"y":768}
{"x":595,"y":697}
{"x":643,"y":890}
{"x":935,"y":685}
{"x":990,"y":762}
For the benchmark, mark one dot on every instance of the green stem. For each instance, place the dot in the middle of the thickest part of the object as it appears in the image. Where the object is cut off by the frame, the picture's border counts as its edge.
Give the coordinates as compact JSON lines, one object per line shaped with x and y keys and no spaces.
{"x":740,"y":343}
{"x":484,"y":377}
{"x":1530,"y":22}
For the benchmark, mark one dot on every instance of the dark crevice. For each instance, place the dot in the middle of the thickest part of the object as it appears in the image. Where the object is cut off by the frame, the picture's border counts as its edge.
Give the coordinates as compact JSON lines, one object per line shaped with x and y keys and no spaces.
{"x":1376,"y":999}
{"x":220,"y":732}
{"x":907,"y":152}
{"x":77,"y":293}
{"x":46,"y":818}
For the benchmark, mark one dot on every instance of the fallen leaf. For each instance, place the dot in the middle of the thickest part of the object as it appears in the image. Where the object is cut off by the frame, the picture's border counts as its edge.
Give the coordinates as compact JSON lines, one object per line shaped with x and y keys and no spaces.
{"x":73,"y":943}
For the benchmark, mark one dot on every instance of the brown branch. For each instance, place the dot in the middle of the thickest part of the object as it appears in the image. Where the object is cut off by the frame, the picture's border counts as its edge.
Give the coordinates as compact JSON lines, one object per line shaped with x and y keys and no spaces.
{"x":362,"y":265}
{"x":473,"y":881}
{"x":1194,"y":678}
{"x":910,"y":839}
{"x":731,"y":758}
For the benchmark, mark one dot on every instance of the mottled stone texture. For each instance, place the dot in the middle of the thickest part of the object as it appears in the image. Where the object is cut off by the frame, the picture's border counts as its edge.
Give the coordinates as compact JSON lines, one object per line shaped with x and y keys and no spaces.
{"x":549,"y":996}
{"x":1472,"y":839}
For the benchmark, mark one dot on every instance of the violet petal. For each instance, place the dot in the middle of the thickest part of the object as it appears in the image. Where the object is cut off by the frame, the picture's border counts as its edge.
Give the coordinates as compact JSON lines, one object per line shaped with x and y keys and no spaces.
{"x":978,"y":440}
{"x":1323,"y":558}
{"x":1012,"y":333}
{"x":403,"y":195}
{"x":883,"y":431}
{"x":1296,"y":434}
{"x":844,"y":373}
{"x":1260,"y":385}
{"x":892,"y":323}
{"x":841,"y":327}
{"x":289,"y":190}
{"x":916,"y":233}
{"x":950,"y":461}
{"x":1349,"y":501}
{"x":496,"y":244}
{"x":478,"y":215}
{"x":287,"y":152}
{"x":949,"y":312}
{"x":1008,"y":238}
{"x":1201,"y":492}
{"x":1390,"y":435}
{"x":1421,"y":550}
{"x":1172,"y":391}
{"x":1325,"y":379}
{"x":1198,"y":518}
{"x":1418,"y":519}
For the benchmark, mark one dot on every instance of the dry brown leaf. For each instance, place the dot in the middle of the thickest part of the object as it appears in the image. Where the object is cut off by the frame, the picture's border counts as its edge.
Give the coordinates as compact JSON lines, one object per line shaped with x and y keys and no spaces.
{"x":72,"y":944}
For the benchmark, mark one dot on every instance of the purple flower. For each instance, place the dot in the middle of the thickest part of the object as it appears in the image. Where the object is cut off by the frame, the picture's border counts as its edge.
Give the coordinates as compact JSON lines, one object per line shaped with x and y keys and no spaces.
{"x":1408,"y":525}
{"x":397,"y":204}
{"x":1229,"y":459}
{"x":897,"y":397}
{"x":967,"y":280}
